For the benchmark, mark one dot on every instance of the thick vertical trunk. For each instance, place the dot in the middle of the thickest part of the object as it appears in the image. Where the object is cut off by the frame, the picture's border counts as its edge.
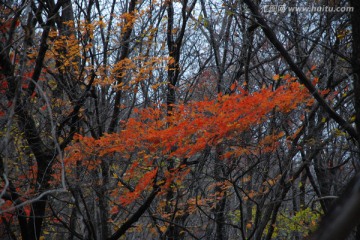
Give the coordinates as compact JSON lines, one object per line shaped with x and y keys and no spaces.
{"x":220,"y":198}
{"x":36,"y":219}
{"x":324,"y":177}
{"x":44,"y":159}
{"x":103,"y":202}
{"x":219,"y":215}
{"x":124,"y":53}
{"x":174,"y":44}
{"x":114,"y":122}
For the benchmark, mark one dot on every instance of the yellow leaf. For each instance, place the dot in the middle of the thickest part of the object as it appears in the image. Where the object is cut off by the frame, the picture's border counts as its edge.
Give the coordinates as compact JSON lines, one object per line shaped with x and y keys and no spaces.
{"x":248,"y":226}
{"x":160,"y":182}
{"x":163,"y":228}
{"x":271,"y":182}
{"x":52,"y":84}
{"x":340,"y":36}
{"x":276,"y":77}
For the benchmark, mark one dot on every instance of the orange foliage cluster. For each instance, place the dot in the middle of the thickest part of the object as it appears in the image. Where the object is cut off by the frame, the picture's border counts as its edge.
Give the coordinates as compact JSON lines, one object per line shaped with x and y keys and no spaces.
{"x":151,"y":135}
{"x":144,"y":182}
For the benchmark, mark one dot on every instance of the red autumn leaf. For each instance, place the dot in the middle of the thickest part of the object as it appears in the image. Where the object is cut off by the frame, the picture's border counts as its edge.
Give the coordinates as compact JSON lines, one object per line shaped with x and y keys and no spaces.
{"x":142,"y":184}
{"x":27,"y":210}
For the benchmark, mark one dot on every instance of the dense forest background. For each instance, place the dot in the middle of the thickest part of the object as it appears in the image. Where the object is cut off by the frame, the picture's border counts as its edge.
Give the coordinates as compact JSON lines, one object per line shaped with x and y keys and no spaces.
{"x":179,"y":119}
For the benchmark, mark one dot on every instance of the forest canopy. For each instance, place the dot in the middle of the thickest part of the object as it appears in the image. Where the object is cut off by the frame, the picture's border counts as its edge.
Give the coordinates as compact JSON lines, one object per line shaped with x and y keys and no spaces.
{"x":191,"y":119}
